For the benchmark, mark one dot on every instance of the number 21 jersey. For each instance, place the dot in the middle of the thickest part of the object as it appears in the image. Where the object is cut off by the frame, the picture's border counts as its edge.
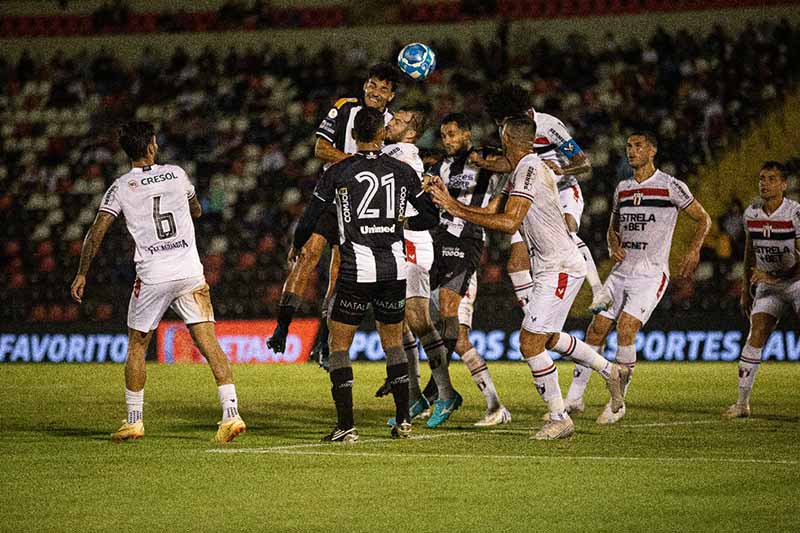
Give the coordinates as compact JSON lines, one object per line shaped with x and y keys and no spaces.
{"x":155,"y":202}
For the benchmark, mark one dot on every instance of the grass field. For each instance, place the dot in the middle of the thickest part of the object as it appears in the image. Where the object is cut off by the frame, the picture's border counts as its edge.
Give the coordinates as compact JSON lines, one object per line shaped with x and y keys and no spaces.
{"x":671,"y":464}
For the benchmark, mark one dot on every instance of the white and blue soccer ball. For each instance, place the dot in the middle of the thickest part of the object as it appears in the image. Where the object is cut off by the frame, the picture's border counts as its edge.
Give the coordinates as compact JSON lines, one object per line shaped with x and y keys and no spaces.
{"x":417,"y":60}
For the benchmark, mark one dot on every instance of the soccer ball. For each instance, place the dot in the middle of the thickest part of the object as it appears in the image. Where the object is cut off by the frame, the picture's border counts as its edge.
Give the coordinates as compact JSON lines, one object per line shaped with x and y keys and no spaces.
{"x":417,"y":60}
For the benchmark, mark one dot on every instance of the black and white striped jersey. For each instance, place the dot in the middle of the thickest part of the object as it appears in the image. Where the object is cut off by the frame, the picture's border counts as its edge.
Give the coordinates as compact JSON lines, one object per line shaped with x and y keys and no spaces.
{"x":468,"y":184}
{"x":371,"y":191}
{"x":337,"y":126}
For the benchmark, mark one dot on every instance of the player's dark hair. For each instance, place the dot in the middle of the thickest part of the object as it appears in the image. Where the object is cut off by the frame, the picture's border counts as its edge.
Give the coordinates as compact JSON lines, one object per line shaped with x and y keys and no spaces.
{"x":367,"y":123}
{"x":384,"y":72}
{"x":506,"y":100}
{"x":134,"y":137}
{"x":459,"y":118}
{"x":419,"y":117}
{"x":647,"y":135}
{"x":775,"y":165}
{"x":521,"y":129}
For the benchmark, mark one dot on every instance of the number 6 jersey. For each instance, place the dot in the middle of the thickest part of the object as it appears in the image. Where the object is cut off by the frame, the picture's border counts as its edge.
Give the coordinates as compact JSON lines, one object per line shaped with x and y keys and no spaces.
{"x":154,"y":200}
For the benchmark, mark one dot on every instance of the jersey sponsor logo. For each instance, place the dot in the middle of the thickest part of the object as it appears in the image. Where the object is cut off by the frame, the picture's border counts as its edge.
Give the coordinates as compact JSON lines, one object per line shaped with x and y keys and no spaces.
{"x":167,"y":246}
{"x":631,"y":245}
{"x":147,"y":180}
{"x":367,"y":230}
{"x":529,"y":177}
{"x":110,"y":195}
{"x":635,"y":221}
{"x":350,"y":305}
{"x":460,"y":181}
{"x":450,"y":251}
{"x":344,"y":201}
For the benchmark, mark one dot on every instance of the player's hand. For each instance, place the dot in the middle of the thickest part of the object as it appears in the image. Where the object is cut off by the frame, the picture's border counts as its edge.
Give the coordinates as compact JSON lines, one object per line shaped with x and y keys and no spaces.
{"x":476,"y":159}
{"x":759,"y":276}
{"x":746,"y":302}
{"x":78,"y":285}
{"x":689,"y":264}
{"x":441,"y":196}
{"x":291,"y":257}
{"x":554,"y":167}
{"x":428,"y":181}
{"x":617,"y":253}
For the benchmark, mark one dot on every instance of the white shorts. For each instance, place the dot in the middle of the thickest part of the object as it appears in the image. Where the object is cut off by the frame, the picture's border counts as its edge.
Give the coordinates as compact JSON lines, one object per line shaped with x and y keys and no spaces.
{"x":774,"y":299}
{"x":467,"y":305}
{"x":419,"y":260}
{"x":572,"y":202}
{"x":190,"y":298}
{"x":637,"y":297}
{"x":551,"y":299}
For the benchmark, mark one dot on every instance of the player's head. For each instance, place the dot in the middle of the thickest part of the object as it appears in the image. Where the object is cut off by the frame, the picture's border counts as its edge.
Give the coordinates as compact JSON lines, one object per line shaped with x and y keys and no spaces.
{"x":456,"y":133}
{"x":518,"y":133}
{"x":368,"y":126}
{"x":772,"y":181}
{"x":138,"y":140}
{"x":641,"y":149}
{"x":506,"y":100}
{"x":380,"y":86}
{"x":407,"y":125}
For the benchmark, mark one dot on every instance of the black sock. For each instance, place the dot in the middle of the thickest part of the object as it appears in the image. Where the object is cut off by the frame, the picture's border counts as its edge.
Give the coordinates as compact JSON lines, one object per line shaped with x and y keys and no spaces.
{"x":398,"y":379}
{"x":431,"y":391}
{"x":342,"y":392}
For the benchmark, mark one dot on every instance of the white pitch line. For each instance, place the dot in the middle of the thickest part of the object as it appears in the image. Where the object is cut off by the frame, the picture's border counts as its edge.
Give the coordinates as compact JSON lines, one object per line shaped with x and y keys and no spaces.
{"x":667,"y":424}
{"x":533,"y":457}
{"x":290,"y":447}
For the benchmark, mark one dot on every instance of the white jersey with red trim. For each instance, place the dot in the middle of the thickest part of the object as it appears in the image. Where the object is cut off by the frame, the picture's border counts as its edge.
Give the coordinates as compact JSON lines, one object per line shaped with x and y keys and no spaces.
{"x":648,"y":212}
{"x":774,"y":236}
{"x":155,"y":203}
{"x":550,"y":245}
{"x":408,"y":153}
{"x":554,"y":143}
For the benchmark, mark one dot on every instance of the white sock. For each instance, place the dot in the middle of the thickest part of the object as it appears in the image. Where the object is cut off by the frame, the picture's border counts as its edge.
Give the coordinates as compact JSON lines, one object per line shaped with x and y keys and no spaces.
{"x":523,"y":286}
{"x":412,"y":354}
{"x":545,"y":377}
{"x":582,"y":353}
{"x":135,"y":404}
{"x":228,"y":401}
{"x":626,"y":356}
{"x":749,"y":361}
{"x":480,"y":375}
{"x":591,"y":269}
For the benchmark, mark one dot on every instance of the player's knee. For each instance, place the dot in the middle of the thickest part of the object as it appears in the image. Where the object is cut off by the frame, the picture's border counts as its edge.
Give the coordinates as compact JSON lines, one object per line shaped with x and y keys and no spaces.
{"x":519,"y":260}
{"x":626,"y":332}
{"x":463,"y":345}
{"x":418,"y":319}
{"x":531,"y":344}
{"x":760,"y":330}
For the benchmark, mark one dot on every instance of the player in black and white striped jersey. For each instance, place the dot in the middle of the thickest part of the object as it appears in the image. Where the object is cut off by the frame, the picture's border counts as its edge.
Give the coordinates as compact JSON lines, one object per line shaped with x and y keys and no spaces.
{"x":458,"y":246}
{"x":371,"y":192}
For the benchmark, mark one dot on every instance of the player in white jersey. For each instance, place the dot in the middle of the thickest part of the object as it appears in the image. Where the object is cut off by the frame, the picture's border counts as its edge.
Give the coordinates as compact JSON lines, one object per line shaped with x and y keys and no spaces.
{"x":559,"y":271}
{"x":643,"y":218}
{"x":556,"y":147}
{"x":159,"y":202}
{"x":771,"y":268}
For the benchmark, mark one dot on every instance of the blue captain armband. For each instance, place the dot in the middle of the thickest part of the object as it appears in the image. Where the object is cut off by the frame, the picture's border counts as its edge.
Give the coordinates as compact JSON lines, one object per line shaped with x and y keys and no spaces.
{"x":570,"y":148}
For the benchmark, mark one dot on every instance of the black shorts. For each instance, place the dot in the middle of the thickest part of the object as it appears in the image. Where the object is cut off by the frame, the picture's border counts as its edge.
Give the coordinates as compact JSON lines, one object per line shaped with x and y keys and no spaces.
{"x":351,"y":301}
{"x":328,"y":225}
{"x":455,"y":259}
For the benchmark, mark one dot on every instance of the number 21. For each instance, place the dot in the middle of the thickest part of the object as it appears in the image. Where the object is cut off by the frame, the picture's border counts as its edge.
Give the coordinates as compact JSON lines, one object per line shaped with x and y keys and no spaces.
{"x":387,"y":181}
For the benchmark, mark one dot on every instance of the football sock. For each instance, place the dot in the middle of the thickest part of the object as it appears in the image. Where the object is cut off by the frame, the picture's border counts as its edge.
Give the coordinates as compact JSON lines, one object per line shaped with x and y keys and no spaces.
{"x":450,"y":329}
{"x":523,"y":286}
{"x":437,"y":360}
{"x":228,"y":401}
{"x":749,"y":361}
{"x":591,"y":269}
{"x":412,"y":356}
{"x":287,"y":308}
{"x":626,"y":356}
{"x":135,"y":404}
{"x":580,"y":379}
{"x":480,"y":375}
{"x":342,"y":392}
{"x":582,"y":353}
{"x":398,"y":379}
{"x":545,"y":377}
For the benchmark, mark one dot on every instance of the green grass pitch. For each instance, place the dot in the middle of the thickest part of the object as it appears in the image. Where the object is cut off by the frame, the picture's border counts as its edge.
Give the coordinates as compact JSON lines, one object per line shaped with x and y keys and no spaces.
{"x":670,"y":464}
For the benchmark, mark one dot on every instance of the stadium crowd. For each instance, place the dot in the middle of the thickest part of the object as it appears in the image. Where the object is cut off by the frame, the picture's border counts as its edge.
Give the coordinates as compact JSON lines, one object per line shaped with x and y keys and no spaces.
{"x":241,"y":123}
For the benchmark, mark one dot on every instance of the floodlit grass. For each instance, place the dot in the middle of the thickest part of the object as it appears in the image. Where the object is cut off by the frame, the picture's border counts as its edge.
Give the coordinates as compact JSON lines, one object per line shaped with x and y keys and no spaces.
{"x":671,"y":464}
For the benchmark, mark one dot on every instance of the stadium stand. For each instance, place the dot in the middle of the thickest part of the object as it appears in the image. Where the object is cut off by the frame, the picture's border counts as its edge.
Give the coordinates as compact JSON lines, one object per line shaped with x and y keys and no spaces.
{"x":241,"y":124}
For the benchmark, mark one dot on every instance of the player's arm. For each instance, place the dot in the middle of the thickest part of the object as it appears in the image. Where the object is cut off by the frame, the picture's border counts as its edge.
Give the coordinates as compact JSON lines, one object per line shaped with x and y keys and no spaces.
{"x":323,"y":195}
{"x":493,"y":162}
{"x":427,"y":215}
{"x":507,"y":221}
{"x":325,"y":150}
{"x":702,"y":224}
{"x":615,"y":250}
{"x":91,"y":244}
{"x":578,"y":164}
{"x":195,"y":209}
{"x":746,"y":299}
